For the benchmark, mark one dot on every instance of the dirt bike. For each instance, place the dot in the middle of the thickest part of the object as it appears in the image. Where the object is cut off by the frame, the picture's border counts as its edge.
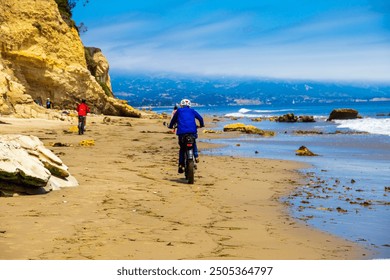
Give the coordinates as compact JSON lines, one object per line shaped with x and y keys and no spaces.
{"x":81,"y":124}
{"x":187,"y":143}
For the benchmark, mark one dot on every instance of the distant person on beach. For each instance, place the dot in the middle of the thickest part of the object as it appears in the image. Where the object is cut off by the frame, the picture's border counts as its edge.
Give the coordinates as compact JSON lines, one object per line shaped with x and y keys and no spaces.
{"x":185,"y":118}
{"x":82,"y":111}
{"x":48,"y":103}
{"x":173,"y":113}
{"x":38,"y":101}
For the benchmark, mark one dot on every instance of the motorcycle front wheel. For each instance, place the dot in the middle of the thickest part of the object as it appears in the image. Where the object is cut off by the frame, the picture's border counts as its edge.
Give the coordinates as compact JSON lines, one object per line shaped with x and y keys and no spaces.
{"x":190,"y":171}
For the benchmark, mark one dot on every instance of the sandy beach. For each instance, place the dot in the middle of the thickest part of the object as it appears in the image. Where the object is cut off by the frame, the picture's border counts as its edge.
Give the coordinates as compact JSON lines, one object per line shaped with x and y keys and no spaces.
{"x":132,"y":204}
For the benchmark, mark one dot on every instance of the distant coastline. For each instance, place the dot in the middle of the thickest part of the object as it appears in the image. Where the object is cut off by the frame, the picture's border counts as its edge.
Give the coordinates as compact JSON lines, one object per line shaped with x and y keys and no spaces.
{"x":159,"y":90}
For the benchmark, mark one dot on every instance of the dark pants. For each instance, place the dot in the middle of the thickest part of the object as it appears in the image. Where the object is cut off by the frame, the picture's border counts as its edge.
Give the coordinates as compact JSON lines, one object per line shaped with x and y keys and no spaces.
{"x":82,"y":121}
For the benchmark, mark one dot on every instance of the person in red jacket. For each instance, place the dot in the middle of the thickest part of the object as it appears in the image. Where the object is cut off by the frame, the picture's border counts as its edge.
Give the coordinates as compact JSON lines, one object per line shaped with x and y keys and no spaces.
{"x":82,"y":110}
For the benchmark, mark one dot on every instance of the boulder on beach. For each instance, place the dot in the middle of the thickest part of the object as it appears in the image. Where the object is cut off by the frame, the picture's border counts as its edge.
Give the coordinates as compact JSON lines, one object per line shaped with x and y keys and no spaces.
{"x":304,"y":151}
{"x":211,"y":131}
{"x":257,"y":119}
{"x":287,"y":118}
{"x":292,"y":118}
{"x":343,"y":114}
{"x":26,"y":166}
{"x":249,"y":129}
{"x":306,"y":119}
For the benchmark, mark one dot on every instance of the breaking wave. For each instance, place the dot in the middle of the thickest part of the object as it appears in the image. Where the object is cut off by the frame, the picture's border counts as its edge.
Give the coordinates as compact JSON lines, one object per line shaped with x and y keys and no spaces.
{"x":370,"y":125}
{"x":247,"y":113}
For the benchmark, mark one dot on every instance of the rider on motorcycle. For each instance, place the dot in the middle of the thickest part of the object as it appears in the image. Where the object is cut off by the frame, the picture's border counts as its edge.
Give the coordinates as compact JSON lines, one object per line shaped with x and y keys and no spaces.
{"x":185,"y":117}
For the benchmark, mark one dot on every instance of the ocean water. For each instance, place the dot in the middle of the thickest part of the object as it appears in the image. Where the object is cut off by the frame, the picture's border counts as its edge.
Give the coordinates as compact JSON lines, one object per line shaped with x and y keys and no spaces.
{"x":347,"y":192}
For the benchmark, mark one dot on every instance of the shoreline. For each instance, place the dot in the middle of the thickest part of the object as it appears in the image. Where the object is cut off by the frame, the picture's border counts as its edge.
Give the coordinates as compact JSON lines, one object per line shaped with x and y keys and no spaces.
{"x":346,"y":185}
{"x":132,"y":204}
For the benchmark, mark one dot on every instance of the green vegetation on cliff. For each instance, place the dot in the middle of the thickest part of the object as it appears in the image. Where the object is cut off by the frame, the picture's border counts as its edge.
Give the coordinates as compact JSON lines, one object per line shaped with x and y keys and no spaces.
{"x":65,"y":7}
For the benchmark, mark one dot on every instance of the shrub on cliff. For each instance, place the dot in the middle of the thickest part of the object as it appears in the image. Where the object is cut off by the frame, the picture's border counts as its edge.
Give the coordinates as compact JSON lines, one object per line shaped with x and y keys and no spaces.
{"x":65,"y":7}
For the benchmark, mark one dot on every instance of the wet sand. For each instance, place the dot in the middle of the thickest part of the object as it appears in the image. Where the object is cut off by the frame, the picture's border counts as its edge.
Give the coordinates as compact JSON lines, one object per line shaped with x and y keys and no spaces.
{"x":132,"y":204}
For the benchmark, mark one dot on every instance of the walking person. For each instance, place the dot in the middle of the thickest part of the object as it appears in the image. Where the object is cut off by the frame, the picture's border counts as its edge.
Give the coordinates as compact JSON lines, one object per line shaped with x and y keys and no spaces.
{"x":48,"y":103}
{"x":172,"y":114}
{"x":82,"y":111}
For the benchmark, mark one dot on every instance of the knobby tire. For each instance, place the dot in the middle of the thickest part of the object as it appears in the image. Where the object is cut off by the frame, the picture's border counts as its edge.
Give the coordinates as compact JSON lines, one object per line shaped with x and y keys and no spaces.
{"x":190,"y":171}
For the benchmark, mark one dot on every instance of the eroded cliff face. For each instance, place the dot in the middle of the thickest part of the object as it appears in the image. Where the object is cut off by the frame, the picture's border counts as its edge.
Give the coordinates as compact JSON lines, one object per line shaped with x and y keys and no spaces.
{"x":42,"y":57}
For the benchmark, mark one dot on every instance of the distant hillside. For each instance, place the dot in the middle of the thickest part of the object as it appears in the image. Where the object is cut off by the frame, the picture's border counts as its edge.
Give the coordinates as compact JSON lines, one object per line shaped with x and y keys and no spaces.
{"x":144,"y":90}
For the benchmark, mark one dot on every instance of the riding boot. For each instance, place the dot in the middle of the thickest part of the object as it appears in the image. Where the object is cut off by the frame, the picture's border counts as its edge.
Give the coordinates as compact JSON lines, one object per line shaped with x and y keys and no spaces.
{"x":181,"y":168}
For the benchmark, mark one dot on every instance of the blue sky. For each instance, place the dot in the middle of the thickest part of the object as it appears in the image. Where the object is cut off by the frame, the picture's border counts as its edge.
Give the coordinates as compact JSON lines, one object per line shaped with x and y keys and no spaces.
{"x":289,"y":39}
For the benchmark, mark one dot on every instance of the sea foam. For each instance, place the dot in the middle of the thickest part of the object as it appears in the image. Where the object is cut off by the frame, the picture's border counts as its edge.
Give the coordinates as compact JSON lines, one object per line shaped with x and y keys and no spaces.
{"x":247,"y":113}
{"x":370,"y":125}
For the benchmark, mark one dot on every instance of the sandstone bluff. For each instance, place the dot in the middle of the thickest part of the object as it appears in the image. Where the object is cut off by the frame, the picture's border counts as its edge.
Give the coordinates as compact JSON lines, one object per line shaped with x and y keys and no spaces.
{"x":42,"y":57}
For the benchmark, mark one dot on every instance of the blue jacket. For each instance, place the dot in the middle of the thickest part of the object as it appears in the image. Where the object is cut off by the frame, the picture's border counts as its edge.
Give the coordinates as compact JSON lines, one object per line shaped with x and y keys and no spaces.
{"x":185,"y":120}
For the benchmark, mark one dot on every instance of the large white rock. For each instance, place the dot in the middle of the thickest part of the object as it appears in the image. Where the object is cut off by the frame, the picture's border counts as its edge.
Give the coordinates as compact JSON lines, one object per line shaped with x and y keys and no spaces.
{"x":17,"y":166}
{"x":56,"y":183}
{"x":35,"y":147}
{"x":27,"y":166}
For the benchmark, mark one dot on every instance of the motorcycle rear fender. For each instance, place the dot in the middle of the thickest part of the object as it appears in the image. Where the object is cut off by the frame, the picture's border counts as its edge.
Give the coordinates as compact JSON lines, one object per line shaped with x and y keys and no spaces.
{"x":190,"y":154}
{"x":188,"y":139}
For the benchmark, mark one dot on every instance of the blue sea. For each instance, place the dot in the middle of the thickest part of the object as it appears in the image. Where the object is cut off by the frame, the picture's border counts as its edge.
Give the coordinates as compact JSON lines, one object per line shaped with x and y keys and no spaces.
{"x":347,"y":192}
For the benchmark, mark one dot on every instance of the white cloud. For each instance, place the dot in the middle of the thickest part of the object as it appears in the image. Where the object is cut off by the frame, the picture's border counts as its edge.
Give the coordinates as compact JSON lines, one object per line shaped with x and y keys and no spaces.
{"x":279,"y":62}
{"x":332,"y":46}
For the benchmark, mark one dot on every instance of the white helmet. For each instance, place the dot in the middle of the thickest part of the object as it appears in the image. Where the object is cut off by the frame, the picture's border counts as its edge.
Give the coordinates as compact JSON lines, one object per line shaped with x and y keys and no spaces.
{"x":185,"y":102}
